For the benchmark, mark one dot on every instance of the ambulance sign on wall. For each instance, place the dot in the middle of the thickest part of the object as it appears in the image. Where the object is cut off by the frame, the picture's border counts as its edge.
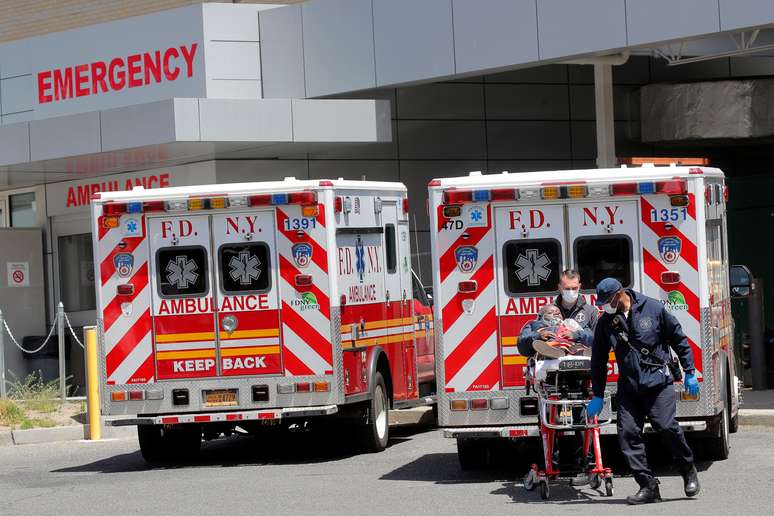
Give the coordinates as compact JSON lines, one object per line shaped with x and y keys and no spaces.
{"x":18,"y":274}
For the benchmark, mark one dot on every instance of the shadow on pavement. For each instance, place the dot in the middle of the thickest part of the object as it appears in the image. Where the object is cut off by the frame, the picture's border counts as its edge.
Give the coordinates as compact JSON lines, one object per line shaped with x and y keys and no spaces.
{"x":309,"y":447}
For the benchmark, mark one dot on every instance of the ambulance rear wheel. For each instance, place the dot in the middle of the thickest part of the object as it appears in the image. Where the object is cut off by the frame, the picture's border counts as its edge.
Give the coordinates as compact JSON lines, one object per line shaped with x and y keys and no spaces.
{"x":719,"y":445}
{"x":376,"y":432}
{"x":159,"y":443}
{"x":151,"y":442}
{"x":472,"y":453}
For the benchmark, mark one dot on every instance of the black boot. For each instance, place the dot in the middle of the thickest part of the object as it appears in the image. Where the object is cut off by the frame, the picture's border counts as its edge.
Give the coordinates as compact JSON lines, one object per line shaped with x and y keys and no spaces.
{"x":647,"y":494}
{"x":691,"y":481}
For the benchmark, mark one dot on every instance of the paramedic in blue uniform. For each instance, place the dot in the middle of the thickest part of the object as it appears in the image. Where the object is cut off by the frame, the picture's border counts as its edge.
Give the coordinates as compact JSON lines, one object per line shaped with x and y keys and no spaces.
{"x":641,"y":331}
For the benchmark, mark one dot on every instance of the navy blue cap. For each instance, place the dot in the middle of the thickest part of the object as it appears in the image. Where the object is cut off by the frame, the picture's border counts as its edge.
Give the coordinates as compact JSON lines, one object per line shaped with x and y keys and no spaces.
{"x":606,"y":289}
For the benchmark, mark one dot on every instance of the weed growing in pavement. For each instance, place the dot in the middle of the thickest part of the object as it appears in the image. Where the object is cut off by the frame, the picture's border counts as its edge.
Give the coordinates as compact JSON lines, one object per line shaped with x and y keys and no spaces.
{"x":36,"y":394}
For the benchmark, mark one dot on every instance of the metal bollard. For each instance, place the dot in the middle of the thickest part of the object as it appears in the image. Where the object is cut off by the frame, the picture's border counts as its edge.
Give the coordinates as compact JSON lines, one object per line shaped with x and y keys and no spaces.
{"x":61,"y":336}
{"x":92,"y":383}
{"x":2,"y":357}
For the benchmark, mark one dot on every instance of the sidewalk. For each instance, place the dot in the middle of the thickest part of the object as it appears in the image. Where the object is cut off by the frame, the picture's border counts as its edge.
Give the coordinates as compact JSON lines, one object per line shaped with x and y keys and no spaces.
{"x":757,"y":408}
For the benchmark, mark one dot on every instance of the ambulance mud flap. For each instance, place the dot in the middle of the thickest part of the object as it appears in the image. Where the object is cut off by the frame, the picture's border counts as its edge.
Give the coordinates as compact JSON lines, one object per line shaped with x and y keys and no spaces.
{"x":227,"y":417}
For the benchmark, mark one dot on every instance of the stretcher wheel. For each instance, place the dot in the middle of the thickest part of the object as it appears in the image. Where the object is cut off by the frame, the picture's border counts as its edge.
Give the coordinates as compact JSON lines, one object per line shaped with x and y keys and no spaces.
{"x":545,"y":491}
{"x":529,"y":480}
{"x":609,"y":486}
{"x":595,"y":482}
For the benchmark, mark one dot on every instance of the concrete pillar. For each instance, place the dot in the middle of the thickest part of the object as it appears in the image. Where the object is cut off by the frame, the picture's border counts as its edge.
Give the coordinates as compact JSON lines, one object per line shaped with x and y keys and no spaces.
{"x":603,"y":102}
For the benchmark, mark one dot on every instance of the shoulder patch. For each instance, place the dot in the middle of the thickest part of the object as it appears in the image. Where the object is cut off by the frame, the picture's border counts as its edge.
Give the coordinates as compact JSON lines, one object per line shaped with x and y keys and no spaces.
{"x":645,"y":324}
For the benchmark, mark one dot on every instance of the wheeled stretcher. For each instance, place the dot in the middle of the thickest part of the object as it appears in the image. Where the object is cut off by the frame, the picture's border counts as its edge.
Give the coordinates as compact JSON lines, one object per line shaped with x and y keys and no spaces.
{"x":563,"y":388}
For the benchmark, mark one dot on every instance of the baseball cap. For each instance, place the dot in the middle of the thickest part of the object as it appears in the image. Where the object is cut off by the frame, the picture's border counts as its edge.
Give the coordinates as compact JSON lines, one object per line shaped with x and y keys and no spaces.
{"x":606,"y":289}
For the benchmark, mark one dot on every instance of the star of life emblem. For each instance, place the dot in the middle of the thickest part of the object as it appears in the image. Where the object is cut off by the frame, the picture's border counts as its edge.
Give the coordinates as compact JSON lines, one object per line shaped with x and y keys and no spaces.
{"x":533,"y":267}
{"x":359,"y":259}
{"x":244,"y":267}
{"x":181,"y":272}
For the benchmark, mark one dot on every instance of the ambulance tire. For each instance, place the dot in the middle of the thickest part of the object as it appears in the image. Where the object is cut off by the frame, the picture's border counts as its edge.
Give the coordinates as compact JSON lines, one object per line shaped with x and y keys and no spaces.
{"x":733,"y":426}
{"x":375,"y":434}
{"x":718,"y":445}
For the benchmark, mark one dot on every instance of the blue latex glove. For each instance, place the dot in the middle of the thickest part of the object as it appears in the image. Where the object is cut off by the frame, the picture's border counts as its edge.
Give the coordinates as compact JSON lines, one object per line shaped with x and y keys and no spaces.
{"x":691,"y":384}
{"x":595,"y":406}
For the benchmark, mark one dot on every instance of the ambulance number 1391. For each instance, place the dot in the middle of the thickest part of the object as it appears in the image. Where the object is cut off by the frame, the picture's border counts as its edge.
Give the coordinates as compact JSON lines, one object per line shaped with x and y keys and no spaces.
{"x":300,"y":223}
{"x":668,"y":214}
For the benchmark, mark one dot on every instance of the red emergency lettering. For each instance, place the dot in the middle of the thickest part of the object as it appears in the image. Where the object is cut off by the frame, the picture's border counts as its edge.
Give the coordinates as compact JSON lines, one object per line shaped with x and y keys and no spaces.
{"x":116,"y":74}
{"x":536,"y":219}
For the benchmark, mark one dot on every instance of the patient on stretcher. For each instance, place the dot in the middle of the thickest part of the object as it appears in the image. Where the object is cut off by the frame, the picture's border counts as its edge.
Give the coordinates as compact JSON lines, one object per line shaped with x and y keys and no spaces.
{"x":551,"y":337}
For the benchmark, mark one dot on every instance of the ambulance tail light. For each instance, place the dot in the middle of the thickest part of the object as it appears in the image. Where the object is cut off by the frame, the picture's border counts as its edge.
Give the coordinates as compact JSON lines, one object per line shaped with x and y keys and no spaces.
{"x":154,"y":206}
{"x":405,"y":204}
{"x":452,"y":211}
{"x":458,"y":405}
{"x":118,"y":396}
{"x":467,"y":287}
{"x":674,"y":187}
{"x":114,"y":208}
{"x":479,"y":404}
{"x":679,"y":200}
{"x":725,"y":194}
{"x":499,"y":403}
{"x":322,"y":386}
{"x":285,"y":388}
{"x":670,"y":278}
{"x":125,"y":289}
{"x":457,"y":196}
{"x":338,"y":204}
{"x":303,"y":280}
{"x":136,"y":395}
{"x":303,"y":198}
{"x":577,"y":191}
{"x":550,"y":192}
{"x":111,"y":222}
{"x":304,"y":387}
{"x":217,"y":203}
{"x":197,"y":204}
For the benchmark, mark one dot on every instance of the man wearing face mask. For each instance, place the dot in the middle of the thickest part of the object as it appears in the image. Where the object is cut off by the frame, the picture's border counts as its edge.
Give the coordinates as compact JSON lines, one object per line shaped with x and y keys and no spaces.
{"x":642,"y":332}
{"x":572,"y":305}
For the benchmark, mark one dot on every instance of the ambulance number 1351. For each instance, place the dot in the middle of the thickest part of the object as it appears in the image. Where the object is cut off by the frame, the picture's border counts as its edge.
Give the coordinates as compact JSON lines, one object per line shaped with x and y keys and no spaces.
{"x":300,"y":223}
{"x":668,"y":214}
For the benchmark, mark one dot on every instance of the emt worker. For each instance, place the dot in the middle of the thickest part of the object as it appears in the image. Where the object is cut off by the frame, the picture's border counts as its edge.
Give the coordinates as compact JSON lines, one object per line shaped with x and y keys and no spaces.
{"x":571,"y":304}
{"x":642,"y":331}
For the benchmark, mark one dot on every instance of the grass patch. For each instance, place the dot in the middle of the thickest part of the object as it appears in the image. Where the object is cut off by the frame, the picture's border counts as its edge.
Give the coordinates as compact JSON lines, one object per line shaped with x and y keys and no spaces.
{"x":37,"y":423}
{"x":11,"y":414}
{"x":36,"y":394}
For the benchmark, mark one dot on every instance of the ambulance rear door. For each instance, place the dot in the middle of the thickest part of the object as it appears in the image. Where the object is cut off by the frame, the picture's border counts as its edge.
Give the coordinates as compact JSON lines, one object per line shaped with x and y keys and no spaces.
{"x":531,"y":251}
{"x":244,"y":252}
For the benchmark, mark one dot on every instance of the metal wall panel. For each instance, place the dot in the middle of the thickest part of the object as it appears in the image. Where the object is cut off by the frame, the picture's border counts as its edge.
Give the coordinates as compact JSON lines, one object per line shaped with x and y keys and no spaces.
{"x":338,"y":46}
{"x":528,"y":140}
{"x":282,"y":53}
{"x":413,"y":40}
{"x":135,"y":126}
{"x":16,"y":94}
{"x":442,"y":139}
{"x":341,"y":121}
{"x":14,"y":143}
{"x":503,"y":33}
{"x":442,"y":100}
{"x":225,"y":120}
{"x":527,"y":102}
{"x":570,"y":27}
{"x":656,"y":20}
{"x":735,"y":14}
{"x":70,"y":135}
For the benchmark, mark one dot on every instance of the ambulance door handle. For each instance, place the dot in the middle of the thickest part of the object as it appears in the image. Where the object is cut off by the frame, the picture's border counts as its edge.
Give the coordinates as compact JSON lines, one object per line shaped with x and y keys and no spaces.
{"x":404,"y":296}
{"x":388,"y":296}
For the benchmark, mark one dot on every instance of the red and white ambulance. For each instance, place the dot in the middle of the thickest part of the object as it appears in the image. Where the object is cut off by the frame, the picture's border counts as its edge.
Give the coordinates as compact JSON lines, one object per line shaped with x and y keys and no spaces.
{"x":499,"y":243}
{"x":256,"y":304}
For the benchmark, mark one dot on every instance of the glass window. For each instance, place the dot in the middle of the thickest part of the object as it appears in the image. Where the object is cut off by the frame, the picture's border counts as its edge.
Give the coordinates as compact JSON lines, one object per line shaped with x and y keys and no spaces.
{"x":2,"y":213}
{"x":182,"y":271}
{"x":604,"y":256}
{"x":532,"y":266}
{"x":392,"y":258}
{"x":23,"y":210}
{"x":76,"y":272}
{"x":245,"y":267}
{"x":419,"y":291}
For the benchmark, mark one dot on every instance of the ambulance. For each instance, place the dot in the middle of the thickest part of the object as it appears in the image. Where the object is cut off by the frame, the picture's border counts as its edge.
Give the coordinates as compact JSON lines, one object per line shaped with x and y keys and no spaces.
{"x":233,"y":307}
{"x":499,"y":244}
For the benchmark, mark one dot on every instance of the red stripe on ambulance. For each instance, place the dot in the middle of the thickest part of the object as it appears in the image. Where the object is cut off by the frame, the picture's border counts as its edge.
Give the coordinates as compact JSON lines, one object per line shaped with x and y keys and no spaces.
{"x":689,"y":253}
{"x":113,"y":309}
{"x":468,"y":346}
{"x":128,"y":342}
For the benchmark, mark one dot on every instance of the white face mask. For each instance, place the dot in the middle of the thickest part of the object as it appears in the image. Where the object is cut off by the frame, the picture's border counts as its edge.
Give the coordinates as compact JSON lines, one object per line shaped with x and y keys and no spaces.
{"x":569,"y":296}
{"x":609,"y":309}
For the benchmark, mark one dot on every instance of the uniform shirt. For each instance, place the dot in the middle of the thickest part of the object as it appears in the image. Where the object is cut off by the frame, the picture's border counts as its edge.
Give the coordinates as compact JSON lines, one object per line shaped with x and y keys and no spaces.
{"x":529,"y":333}
{"x":650,"y":326}
{"x":584,"y":314}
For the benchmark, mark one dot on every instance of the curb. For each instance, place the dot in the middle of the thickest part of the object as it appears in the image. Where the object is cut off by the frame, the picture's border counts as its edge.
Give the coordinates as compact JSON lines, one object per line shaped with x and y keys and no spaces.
{"x":62,"y":433}
{"x":760,"y":417}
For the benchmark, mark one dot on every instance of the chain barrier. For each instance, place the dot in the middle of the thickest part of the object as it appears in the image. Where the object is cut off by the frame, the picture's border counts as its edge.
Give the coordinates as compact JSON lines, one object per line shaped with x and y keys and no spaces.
{"x":13,"y":339}
{"x":72,"y":332}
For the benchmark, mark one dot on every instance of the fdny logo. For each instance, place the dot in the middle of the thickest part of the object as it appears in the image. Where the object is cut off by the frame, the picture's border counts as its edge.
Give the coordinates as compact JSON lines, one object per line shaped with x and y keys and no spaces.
{"x":669,"y":248}
{"x":302,"y":254}
{"x":466,"y":257}
{"x":124,"y":263}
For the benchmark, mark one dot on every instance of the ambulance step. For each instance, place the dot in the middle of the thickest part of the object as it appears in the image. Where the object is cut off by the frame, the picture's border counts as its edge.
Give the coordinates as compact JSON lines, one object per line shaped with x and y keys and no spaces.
{"x":492,"y":431}
{"x":424,"y":401}
{"x":226,"y":417}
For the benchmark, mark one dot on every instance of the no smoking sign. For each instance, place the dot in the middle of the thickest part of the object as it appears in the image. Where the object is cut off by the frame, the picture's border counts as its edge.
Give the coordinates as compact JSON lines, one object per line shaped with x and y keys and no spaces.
{"x":18,"y":274}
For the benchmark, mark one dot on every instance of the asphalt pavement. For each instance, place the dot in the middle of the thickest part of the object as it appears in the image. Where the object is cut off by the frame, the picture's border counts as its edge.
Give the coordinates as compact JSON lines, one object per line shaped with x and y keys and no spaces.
{"x":313,"y":473}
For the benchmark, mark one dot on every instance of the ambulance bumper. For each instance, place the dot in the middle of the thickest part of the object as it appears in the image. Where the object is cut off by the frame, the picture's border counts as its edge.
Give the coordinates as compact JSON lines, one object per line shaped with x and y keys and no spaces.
{"x":514,"y":432}
{"x":226,"y":417}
